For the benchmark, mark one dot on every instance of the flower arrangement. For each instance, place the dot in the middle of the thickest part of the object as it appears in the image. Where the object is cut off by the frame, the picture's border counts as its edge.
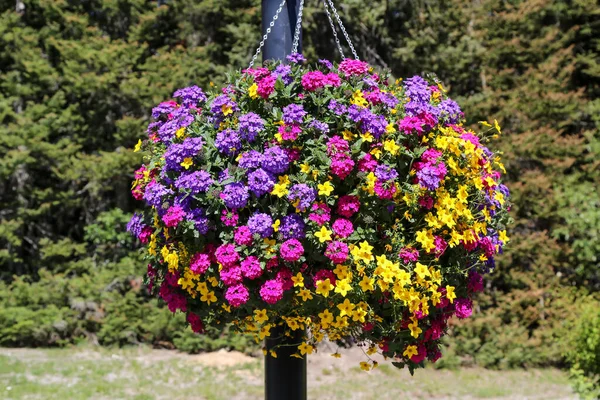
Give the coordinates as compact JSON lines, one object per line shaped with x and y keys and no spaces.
{"x":325,"y":199}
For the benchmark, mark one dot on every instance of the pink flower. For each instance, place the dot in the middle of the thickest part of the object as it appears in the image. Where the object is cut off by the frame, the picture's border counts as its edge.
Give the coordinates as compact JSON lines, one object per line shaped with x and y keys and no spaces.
{"x":266,"y":86}
{"x":251,"y":267}
{"x":385,"y":190}
{"x":321,"y":213}
{"x":173,"y":216}
{"x":195,"y":322}
{"x":231,"y":275}
{"x":426,"y":202}
{"x":342,"y":227}
{"x":408,"y":254}
{"x":410,"y":124}
{"x":353,"y":67}
{"x":367,"y":164}
{"x":243,"y":236}
{"x":291,"y":250}
{"x":229,"y":218}
{"x":440,"y":246}
{"x":348,"y":206}
{"x":420,"y":356}
{"x":237,"y":295}
{"x":284,"y":275}
{"x":342,"y":165}
{"x":333,"y":79}
{"x":145,"y":234}
{"x":475,"y":282}
{"x":323,"y":274}
{"x":435,"y":331}
{"x":313,"y":80}
{"x":337,"y":252}
{"x":199,"y":263}
{"x":271,"y":291}
{"x":227,"y":255}
{"x":464,"y":308}
{"x":289,"y":132}
{"x":337,"y":145}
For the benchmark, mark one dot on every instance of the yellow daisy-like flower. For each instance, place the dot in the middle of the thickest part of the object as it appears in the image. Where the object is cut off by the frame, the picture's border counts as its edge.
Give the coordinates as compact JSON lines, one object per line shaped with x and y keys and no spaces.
{"x":325,"y":189}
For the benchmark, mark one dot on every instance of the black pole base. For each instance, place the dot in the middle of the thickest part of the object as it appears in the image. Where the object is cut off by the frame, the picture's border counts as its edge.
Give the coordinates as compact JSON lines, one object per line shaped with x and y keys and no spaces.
{"x":285,"y":376}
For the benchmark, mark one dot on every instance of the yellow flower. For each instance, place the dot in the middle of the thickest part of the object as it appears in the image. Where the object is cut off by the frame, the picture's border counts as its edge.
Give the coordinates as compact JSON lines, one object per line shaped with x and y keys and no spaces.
{"x":305,"y":294}
{"x":425,"y":238}
{"x":305,"y":348}
{"x":367,"y":137}
{"x":358,"y":99}
{"x":336,"y":355}
{"x":273,"y":353}
{"x":260,"y":316}
{"x":324,"y":287}
{"x":326,"y":318}
{"x":462,"y":194}
{"x":421,"y":270}
{"x":298,"y":280}
{"x":226,"y":109}
{"x":180,"y":133}
{"x":410,"y":351}
{"x":305,"y":168}
{"x":325,"y":188}
{"x":343,"y":287}
{"x":415,"y":331}
{"x":209,"y":297}
{"x":138,"y":146}
{"x":500,"y":197}
{"x":348,"y":135}
{"x":187,"y":163}
{"x":367,"y":284}
{"x":365,"y":366}
{"x":276,"y":225}
{"x":323,"y":235}
{"x":341,"y":271}
{"x":279,"y":190}
{"x":346,"y":307}
{"x":252,"y":91}
{"x":497,"y":126}
{"x":450,"y":295}
{"x":502,"y":236}
{"x":265,"y":331}
{"x":391,"y":147}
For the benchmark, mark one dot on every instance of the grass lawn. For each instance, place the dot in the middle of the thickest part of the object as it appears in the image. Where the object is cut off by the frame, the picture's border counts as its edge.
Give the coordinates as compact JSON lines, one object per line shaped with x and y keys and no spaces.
{"x":142,"y":374}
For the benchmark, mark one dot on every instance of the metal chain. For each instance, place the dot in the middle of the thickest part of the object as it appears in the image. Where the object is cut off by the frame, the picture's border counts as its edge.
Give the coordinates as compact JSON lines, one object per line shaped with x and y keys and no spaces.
{"x":337,"y":40}
{"x":298,"y":28}
{"x":266,"y":35}
{"x":339,"y":20}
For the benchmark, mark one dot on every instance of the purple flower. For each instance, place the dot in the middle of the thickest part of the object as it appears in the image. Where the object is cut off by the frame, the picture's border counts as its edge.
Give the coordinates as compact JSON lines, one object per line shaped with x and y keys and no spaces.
{"x":326,"y":63}
{"x":135,"y":225}
{"x":250,"y":160}
{"x":260,"y":182}
{"x":250,"y":125}
{"x":190,"y":96}
{"x":417,"y":89}
{"x":177,"y":152}
{"x":450,"y":110}
{"x":385,"y":172}
{"x":292,"y":227}
{"x":318,"y":125}
{"x":235,"y":195}
{"x":166,"y":107}
{"x":275,"y":160}
{"x":304,"y":194}
{"x":262,"y":224}
{"x":180,"y":118}
{"x":155,"y":193}
{"x":428,"y":177}
{"x":293,"y":114}
{"x":284,"y":72}
{"x":337,"y":108}
{"x":228,"y":142}
{"x":195,"y":182}
{"x":223,"y":105}
{"x":201,"y":222}
{"x":296,"y":58}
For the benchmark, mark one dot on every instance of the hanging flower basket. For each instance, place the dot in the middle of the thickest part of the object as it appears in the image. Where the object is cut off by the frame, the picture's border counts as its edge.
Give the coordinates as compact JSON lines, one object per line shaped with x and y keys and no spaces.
{"x":325,"y":198}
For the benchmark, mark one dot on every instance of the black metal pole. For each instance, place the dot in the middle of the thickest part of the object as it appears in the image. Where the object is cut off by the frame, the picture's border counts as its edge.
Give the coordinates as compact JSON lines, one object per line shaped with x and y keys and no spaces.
{"x":285,"y":376}
{"x":279,"y":44}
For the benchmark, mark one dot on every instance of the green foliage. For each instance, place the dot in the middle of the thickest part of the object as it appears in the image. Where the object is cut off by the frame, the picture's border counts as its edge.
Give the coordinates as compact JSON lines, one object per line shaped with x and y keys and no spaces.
{"x":77,"y":80}
{"x":584,"y":351}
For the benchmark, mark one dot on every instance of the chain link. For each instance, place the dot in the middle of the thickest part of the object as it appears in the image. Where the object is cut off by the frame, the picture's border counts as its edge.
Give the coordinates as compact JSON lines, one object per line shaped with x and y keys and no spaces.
{"x":337,"y":40}
{"x":339,"y":20}
{"x":298,"y":28}
{"x":266,"y":35}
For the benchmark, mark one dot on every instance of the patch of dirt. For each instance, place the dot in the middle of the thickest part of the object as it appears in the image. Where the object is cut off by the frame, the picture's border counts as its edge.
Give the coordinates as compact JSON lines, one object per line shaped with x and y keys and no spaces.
{"x":221,"y":359}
